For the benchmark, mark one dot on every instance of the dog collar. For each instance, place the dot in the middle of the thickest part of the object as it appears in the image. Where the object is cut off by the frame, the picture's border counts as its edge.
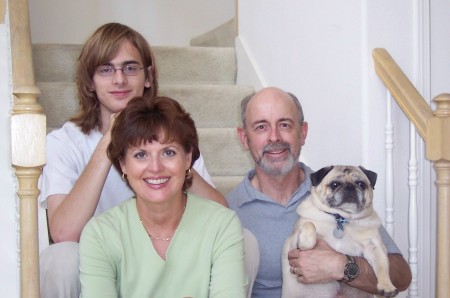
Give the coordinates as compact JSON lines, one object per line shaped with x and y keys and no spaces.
{"x":338,"y":232}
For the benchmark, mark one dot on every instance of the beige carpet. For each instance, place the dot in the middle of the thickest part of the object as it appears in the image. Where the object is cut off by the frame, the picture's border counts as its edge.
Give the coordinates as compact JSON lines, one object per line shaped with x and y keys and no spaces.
{"x":202,"y":79}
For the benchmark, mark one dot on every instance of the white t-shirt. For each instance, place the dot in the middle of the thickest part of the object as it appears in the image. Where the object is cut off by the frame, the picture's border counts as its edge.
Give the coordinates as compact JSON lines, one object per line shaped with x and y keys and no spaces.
{"x":68,"y":152}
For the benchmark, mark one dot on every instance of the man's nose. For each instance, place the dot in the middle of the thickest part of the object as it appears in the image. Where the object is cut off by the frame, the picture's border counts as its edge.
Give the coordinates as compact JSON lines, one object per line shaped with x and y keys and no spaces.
{"x":119,"y":77}
{"x":274,"y":135}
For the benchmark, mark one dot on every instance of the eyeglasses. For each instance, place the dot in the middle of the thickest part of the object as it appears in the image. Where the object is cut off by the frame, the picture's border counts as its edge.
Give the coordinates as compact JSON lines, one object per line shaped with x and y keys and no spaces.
{"x":127,"y":69}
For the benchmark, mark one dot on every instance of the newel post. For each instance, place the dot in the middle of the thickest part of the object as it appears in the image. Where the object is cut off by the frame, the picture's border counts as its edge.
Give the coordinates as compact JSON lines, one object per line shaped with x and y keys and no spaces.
{"x":28,"y":143}
{"x":438,"y":150}
{"x":28,"y":130}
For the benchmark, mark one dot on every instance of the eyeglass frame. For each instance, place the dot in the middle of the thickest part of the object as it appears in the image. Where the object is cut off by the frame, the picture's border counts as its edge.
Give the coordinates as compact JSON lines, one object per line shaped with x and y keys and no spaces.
{"x":124,"y":66}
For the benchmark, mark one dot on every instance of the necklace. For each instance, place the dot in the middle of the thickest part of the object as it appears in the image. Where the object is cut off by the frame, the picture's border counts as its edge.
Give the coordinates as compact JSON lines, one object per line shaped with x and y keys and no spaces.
{"x":164,"y":238}
{"x":158,"y":238}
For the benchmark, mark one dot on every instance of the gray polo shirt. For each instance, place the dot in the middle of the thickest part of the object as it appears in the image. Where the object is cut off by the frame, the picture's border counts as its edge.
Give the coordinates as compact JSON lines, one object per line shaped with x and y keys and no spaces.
{"x":272,"y":223}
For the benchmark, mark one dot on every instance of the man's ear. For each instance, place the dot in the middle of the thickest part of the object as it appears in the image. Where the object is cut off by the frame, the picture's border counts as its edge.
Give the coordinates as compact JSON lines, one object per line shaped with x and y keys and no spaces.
{"x":304,"y":132}
{"x":242,"y":134}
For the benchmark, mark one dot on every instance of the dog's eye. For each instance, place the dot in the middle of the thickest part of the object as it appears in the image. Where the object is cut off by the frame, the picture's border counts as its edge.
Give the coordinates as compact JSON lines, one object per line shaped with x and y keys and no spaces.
{"x":334,"y":185}
{"x":361,"y":184}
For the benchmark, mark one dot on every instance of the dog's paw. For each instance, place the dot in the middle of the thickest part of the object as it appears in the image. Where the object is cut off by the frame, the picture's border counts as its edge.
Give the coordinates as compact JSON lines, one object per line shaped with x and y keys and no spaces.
{"x":385,"y":287}
{"x":389,"y":291}
{"x":307,"y":237}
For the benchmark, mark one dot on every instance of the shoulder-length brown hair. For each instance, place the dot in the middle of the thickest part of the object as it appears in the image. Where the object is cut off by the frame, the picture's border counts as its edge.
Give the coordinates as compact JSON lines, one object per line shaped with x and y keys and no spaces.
{"x":147,"y":119}
{"x":99,"y":49}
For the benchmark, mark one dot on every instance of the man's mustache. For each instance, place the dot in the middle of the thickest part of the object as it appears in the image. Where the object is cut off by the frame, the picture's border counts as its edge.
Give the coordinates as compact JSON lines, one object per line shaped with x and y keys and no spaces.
{"x":279,"y":146}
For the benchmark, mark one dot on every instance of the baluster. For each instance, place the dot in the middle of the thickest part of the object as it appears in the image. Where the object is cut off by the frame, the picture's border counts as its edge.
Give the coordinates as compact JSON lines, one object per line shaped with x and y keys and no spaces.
{"x":389,"y":147}
{"x":412,"y":216}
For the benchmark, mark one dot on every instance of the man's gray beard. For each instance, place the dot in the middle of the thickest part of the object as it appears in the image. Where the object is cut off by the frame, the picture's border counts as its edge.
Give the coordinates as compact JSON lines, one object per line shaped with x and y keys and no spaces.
{"x":272,"y":170}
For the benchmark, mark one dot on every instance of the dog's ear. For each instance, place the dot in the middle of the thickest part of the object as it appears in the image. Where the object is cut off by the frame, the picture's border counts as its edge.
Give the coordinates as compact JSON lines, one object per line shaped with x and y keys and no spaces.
{"x":318,"y":176}
{"x":372,"y":176}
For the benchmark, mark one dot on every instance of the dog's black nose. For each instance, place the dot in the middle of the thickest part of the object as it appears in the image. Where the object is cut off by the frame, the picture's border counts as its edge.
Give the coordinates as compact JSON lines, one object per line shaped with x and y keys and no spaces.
{"x":350,"y":195}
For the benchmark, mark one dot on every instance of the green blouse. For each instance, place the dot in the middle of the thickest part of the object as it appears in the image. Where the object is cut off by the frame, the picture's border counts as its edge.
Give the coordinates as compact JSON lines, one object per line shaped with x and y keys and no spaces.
{"x":205,"y":257}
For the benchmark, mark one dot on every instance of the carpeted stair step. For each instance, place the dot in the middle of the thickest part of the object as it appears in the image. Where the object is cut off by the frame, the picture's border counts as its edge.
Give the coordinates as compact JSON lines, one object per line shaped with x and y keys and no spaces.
{"x":223,"y":153}
{"x":201,"y":79}
{"x":176,"y":65}
{"x":210,"y":105}
{"x":196,"y":65}
{"x":55,"y":62}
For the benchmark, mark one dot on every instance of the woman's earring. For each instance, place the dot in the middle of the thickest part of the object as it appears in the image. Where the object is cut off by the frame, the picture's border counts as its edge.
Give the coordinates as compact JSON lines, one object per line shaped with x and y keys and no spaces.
{"x":124,"y":177}
{"x":188,"y":173}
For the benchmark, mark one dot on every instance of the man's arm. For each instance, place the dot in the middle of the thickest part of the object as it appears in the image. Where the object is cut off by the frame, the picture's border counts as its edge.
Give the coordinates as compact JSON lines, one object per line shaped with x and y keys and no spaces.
{"x":323,"y":264}
{"x":399,"y":272}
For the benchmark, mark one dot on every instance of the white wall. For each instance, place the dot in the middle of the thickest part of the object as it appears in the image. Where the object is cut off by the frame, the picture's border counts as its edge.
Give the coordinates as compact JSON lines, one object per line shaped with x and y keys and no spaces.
{"x":322,"y":52}
{"x":168,"y":22}
{"x":9,"y":273}
{"x":440,"y":47}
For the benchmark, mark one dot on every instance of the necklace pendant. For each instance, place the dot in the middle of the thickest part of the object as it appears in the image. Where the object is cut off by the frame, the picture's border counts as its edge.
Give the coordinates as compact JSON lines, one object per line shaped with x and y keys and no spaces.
{"x":163,"y":239}
{"x":338,"y":233}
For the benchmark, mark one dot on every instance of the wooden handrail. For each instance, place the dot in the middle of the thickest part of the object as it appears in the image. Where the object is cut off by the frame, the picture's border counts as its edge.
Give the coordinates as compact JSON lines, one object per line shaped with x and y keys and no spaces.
{"x":2,"y":11}
{"x":28,"y":132}
{"x":401,"y":88}
{"x":434,"y":128}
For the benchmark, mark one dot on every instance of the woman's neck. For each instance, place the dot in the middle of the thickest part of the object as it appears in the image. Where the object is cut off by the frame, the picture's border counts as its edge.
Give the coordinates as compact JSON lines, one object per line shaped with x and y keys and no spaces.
{"x":162,"y":219}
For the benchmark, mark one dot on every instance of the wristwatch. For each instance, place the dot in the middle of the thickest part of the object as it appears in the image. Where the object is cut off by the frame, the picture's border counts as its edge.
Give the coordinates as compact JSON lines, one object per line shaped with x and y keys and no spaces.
{"x":351,"y":269}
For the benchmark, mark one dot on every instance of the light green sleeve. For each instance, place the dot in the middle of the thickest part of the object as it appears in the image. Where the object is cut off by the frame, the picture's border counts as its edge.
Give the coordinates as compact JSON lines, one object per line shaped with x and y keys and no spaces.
{"x":97,"y":272}
{"x":227,"y":275}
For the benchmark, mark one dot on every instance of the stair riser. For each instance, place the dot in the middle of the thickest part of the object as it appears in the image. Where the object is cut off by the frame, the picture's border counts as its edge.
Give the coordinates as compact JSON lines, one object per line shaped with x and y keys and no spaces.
{"x":210,"y":106}
{"x":223,"y":152}
{"x":201,"y":79}
{"x":180,"y":65}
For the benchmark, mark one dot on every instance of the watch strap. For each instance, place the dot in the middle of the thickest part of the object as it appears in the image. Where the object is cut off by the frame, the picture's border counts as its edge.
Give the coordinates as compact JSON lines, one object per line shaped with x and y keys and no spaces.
{"x":351,"y":269}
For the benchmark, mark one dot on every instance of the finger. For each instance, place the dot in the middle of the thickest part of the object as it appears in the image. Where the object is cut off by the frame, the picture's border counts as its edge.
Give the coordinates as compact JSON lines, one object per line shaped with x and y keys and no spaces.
{"x":293,"y":254}
{"x":302,"y":279}
{"x":293,"y":262}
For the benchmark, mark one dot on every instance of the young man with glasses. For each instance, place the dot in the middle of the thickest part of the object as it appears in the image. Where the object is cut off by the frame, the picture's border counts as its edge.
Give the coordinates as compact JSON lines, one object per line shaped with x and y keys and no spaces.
{"x":78,"y":182}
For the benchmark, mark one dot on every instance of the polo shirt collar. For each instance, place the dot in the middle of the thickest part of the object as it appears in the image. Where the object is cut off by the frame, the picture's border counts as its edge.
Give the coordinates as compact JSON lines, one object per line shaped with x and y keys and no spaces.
{"x":253,"y":194}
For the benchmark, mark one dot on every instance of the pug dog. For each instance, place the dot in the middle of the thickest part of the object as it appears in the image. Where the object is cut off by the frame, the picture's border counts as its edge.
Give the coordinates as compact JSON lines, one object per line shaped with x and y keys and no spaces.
{"x":339,"y":211}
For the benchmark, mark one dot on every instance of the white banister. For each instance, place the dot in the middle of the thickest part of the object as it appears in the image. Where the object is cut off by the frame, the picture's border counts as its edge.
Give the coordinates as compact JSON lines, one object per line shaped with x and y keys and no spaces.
{"x":413,"y":212}
{"x":389,"y":147}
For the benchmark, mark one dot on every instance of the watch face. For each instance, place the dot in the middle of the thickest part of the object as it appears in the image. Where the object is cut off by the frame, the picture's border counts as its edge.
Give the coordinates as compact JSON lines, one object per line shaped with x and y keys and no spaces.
{"x":353,"y":270}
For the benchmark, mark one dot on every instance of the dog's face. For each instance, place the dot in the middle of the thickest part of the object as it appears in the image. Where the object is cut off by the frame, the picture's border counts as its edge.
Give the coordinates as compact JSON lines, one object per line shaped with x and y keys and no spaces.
{"x":343,"y":188}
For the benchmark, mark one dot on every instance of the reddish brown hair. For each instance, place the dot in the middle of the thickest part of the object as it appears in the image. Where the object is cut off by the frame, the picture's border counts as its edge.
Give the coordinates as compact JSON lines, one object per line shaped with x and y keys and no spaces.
{"x":147,"y":119}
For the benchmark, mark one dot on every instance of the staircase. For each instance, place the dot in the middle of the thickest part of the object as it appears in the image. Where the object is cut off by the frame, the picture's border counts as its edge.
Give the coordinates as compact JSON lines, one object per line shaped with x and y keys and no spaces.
{"x":202,"y":79}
